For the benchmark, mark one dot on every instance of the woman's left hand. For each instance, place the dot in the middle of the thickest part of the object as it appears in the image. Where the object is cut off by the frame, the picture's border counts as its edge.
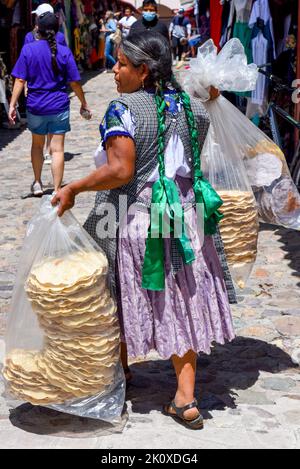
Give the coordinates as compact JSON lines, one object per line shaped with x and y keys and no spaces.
{"x":65,"y":198}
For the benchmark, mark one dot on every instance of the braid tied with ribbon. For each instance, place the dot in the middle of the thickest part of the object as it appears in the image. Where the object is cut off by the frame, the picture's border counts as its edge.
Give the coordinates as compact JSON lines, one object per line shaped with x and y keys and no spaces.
{"x":166,"y":200}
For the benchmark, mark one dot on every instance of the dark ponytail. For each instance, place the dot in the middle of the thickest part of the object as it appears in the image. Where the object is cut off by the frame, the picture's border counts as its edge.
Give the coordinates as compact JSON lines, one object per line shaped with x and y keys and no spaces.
{"x":47,"y":29}
{"x":51,"y":39}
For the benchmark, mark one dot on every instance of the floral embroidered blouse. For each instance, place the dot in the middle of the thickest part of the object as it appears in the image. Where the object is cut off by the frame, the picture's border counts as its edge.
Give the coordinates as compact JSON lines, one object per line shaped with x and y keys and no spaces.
{"x":118,"y":121}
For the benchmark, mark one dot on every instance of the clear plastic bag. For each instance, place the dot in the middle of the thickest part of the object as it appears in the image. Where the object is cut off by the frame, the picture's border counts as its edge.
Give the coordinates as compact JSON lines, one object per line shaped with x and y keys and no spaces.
{"x":238,"y":156}
{"x":62,"y":338}
{"x":225,"y":170}
{"x":226,"y":71}
{"x":277,"y":198}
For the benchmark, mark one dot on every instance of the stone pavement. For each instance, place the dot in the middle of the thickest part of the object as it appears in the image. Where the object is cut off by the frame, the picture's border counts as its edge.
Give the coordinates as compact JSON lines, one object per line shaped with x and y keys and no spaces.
{"x":249,"y":389}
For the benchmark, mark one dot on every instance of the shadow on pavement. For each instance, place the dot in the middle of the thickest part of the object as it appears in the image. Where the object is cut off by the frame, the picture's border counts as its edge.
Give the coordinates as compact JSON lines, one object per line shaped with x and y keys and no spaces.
{"x":291,"y":241}
{"x":69,"y":156}
{"x":229,"y":368}
{"x":8,"y":135}
{"x":234,"y":366}
{"x":44,"y":421}
{"x":291,"y":246}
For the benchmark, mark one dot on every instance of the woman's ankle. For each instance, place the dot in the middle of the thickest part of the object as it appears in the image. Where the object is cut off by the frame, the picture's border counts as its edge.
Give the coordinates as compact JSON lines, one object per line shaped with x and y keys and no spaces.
{"x":181,"y":399}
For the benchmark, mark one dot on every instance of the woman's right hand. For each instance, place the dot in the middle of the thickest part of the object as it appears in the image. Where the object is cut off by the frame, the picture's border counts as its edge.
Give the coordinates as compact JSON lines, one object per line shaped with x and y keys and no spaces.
{"x":12,"y":114}
{"x":85,"y":112}
{"x":214,"y":93}
{"x":65,"y":199}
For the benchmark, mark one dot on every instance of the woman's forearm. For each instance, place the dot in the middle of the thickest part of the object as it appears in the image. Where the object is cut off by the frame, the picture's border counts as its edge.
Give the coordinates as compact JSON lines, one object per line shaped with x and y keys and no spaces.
{"x":17,"y":90}
{"x":118,"y":171}
{"x":77,"y":88}
{"x":104,"y":178}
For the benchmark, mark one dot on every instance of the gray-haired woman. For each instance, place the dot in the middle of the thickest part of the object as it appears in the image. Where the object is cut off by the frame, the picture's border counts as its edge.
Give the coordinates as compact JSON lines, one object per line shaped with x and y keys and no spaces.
{"x":171,"y":292}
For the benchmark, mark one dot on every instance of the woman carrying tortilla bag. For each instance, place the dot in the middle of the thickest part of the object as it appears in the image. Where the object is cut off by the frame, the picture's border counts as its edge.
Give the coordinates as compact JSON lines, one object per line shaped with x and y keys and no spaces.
{"x":171,"y":292}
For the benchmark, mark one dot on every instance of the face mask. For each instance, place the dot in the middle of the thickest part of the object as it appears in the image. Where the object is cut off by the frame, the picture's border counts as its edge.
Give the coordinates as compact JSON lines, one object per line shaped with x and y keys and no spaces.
{"x":149,"y":15}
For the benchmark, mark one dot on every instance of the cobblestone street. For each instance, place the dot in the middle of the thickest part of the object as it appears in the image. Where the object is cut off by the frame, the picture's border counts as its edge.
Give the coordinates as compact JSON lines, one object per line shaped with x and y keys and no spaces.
{"x":249,"y":390}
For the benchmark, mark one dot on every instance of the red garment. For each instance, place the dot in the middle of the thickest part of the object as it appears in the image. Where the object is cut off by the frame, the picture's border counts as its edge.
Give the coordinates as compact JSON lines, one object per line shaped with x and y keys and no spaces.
{"x":216,"y":21}
{"x":88,"y":6}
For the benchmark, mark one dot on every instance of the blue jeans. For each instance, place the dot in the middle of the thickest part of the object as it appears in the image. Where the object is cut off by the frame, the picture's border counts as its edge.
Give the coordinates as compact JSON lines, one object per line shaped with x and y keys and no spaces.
{"x":49,"y":124}
{"x":109,"y":47}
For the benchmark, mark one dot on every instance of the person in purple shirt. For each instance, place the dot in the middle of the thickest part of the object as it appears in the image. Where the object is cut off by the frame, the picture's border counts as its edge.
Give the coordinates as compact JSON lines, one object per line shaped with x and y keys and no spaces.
{"x":47,"y":67}
{"x":33,"y":35}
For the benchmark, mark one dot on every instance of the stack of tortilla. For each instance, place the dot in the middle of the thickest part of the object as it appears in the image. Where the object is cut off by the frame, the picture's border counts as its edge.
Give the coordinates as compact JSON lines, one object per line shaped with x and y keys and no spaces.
{"x":28,"y":382}
{"x":80,"y":324}
{"x":239,"y":230}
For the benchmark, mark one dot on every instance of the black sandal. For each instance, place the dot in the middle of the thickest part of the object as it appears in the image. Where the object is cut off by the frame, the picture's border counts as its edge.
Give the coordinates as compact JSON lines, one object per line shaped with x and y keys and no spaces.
{"x":128,"y":374}
{"x":195,"y":424}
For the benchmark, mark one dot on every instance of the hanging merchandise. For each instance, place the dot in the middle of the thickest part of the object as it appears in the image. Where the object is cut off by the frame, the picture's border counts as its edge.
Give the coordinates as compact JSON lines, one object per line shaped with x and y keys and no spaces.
{"x":77,"y":46}
{"x":241,"y":28}
{"x":216,"y":8}
{"x":59,"y":10}
{"x":239,"y":160}
{"x":227,"y":21}
{"x":282,"y":15}
{"x":262,"y":43}
{"x":62,"y":340}
{"x":79,"y":8}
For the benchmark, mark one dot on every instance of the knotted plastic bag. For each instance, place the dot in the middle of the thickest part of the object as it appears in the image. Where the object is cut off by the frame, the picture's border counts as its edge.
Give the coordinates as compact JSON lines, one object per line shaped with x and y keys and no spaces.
{"x":227,"y":70}
{"x":63,"y":337}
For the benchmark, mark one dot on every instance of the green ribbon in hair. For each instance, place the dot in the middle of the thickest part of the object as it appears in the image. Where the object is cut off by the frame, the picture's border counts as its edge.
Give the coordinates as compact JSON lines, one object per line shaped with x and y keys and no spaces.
{"x":166,"y":200}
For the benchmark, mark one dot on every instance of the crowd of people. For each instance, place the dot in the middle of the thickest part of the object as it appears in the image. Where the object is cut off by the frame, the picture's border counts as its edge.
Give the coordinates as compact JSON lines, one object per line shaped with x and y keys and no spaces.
{"x":179,"y":32}
{"x":171,"y":293}
{"x":47,"y":103}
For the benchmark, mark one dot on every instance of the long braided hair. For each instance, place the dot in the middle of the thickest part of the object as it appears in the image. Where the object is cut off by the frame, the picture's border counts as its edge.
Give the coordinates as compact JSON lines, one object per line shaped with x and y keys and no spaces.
{"x":47,"y":29}
{"x":153,"y":50}
{"x":161,"y":106}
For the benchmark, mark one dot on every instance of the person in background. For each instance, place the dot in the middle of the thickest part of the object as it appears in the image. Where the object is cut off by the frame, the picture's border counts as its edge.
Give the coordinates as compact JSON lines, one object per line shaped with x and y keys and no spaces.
{"x":126,"y":22}
{"x":117,"y":16}
{"x":180,"y":33}
{"x":150,"y":20}
{"x":47,"y":67}
{"x":109,"y":27}
{"x":33,"y":36}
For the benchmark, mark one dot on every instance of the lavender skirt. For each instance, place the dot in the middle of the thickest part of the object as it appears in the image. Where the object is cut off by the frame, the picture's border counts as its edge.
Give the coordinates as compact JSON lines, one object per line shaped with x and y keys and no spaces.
{"x":192,"y":312}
